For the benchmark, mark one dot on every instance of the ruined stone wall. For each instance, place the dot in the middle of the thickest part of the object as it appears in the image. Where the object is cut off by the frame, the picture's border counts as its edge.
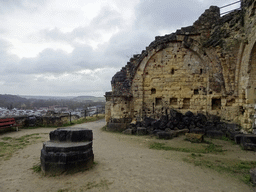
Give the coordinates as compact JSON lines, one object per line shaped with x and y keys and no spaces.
{"x":209,"y":67}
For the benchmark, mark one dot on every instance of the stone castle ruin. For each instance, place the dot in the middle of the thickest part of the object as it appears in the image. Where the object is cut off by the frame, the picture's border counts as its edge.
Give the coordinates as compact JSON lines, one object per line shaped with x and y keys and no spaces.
{"x":209,"y":68}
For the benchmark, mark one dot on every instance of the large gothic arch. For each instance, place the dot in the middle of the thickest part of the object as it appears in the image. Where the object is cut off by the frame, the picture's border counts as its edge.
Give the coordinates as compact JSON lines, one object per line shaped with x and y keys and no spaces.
{"x":209,"y":67}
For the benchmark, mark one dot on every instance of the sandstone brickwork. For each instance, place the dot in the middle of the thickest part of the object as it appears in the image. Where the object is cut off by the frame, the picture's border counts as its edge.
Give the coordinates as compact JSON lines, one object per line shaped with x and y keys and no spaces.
{"x":209,"y":67}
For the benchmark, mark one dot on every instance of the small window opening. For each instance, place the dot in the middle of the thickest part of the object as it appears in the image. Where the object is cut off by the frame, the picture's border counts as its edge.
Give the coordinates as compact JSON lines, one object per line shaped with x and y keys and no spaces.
{"x":216,"y":104}
{"x":186,"y":103}
{"x":158,"y":101}
{"x":172,"y":71}
{"x":201,"y":71}
{"x":196,"y":92}
{"x":241,"y":109}
{"x":189,"y":64}
{"x":153,"y":91}
{"x":173,"y":101}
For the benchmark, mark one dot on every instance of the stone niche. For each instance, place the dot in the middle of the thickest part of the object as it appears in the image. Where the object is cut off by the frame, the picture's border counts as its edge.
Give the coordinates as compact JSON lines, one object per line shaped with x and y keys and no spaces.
{"x":208,"y":67}
{"x":69,"y":149}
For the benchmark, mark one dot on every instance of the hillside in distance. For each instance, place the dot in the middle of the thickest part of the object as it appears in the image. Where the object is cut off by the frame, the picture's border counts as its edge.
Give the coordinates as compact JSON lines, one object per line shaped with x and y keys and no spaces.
{"x":6,"y":98}
{"x":31,"y":102}
{"x":89,"y":98}
{"x":73,"y":98}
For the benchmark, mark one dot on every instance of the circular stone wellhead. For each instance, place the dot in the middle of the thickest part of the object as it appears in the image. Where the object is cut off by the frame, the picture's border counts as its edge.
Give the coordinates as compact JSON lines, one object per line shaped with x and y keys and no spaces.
{"x":69,"y":149}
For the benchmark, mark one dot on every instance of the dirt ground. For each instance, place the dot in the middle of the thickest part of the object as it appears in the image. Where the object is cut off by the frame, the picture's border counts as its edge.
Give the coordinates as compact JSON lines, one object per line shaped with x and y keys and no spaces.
{"x":122,"y":163}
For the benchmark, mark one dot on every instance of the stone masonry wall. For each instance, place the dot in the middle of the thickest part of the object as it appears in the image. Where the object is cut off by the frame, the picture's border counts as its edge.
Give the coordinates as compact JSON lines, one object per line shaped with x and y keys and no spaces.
{"x":209,"y":67}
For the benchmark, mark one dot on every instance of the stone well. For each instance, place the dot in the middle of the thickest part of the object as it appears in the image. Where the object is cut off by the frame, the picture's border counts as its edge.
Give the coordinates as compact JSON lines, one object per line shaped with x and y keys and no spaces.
{"x":69,"y":149}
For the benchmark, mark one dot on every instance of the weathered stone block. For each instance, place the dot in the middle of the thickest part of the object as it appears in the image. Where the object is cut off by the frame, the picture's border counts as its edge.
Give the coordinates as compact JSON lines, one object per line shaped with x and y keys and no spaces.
{"x":253,"y":175}
{"x":70,"y":149}
{"x":128,"y":131}
{"x":116,"y":127}
{"x":232,"y":134}
{"x":248,"y":142}
{"x":198,"y":131}
{"x":141,"y":131}
{"x":181,"y":132}
{"x":193,"y":137}
{"x":71,"y":134}
{"x":165,"y":135}
{"x":237,"y":138}
{"x":215,"y":134}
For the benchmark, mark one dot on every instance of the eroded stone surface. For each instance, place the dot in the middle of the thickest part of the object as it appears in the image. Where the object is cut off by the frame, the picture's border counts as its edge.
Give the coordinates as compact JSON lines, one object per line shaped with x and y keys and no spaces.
{"x":69,"y":149}
{"x":71,"y":135}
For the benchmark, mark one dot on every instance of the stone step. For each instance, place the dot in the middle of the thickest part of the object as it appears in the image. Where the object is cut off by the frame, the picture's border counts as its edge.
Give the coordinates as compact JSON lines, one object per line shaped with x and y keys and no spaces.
{"x":55,"y":147}
{"x":62,"y":157}
{"x":71,"y":134}
{"x":57,"y":168}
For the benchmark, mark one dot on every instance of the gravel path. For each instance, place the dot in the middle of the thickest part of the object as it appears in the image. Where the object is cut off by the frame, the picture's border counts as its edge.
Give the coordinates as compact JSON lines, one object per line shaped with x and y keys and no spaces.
{"x":123,"y":163}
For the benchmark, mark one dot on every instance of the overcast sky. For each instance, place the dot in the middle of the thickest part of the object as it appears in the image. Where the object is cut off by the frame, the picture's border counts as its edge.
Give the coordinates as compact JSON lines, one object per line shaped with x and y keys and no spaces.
{"x":74,"y":47}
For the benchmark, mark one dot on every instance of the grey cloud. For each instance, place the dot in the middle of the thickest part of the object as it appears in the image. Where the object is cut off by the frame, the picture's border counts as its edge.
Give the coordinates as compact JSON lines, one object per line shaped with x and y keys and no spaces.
{"x":48,"y":61}
{"x":107,"y":20}
{"x":8,"y":6}
{"x":59,"y":62}
{"x":8,"y":61}
{"x":72,"y":84}
{"x":127,"y":43}
{"x":54,"y":34}
{"x":155,"y":15}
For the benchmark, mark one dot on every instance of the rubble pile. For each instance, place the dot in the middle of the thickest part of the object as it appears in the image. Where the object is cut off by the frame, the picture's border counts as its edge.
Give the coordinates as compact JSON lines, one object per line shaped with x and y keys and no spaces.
{"x":177,"y":123}
{"x":195,"y":126}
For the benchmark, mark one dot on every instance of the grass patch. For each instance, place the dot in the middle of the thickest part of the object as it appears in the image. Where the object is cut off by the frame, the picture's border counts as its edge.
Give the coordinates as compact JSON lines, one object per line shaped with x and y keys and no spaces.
{"x":104,"y":128}
{"x":9,"y":145}
{"x":237,"y":168}
{"x":6,"y":138}
{"x":229,"y":140}
{"x":95,"y":163}
{"x":62,"y":190}
{"x":88,"y":119}
{"x":104,"y":184}
{"x":36,"y":168}
{"x":210,"y":148}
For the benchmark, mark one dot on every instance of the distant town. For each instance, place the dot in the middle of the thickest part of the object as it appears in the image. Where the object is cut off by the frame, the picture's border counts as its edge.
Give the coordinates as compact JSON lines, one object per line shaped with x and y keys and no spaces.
{"x":16,"y":106}
{"x":42,"y":111}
